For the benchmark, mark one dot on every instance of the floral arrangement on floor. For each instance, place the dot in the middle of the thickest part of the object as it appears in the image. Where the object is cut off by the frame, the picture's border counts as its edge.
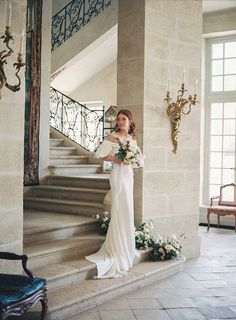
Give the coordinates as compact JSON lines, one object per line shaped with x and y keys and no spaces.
{"x":130,"y":155}
{"x":143,"y":237}
{"x":164,"y":248}
{"x":103,"y":221}
{"x":167,"y":248}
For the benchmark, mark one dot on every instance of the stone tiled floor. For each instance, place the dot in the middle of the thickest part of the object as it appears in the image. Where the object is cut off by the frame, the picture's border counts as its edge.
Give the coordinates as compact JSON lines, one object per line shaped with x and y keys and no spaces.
{"x":204,"y":290}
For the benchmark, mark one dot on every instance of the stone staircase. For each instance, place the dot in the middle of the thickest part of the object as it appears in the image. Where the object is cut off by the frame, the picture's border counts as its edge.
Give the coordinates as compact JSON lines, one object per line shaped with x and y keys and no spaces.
{"x":59,"y":231}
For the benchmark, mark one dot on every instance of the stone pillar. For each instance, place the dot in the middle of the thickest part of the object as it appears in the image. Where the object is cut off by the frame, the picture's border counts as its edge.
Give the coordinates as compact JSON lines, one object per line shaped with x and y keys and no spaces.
{"x":45,"y":89}
{"x":12,"y":138}
{"x":156,"y":42}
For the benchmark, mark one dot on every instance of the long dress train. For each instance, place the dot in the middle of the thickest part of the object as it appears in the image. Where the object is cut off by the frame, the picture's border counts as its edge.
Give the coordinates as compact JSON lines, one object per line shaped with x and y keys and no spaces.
{"x":117,"y":254}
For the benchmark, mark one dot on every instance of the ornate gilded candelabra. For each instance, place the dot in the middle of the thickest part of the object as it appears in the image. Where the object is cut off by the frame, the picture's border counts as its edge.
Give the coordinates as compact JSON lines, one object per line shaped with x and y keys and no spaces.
{"x":175,"y":110}
{"x":7,"y":37}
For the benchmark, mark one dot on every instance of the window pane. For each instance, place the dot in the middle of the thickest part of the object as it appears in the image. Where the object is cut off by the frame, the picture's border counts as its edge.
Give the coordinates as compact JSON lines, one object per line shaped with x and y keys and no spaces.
{"x":217,"y":67}
{"x":216,"y":127}
{"x":229,"y":126}
{"x":228,"y":176}
{"x":229,"y":83}
{"x":214,"y":190}
{"x":230,"y":110}
{"x":216,"y":143}
{"x":228,"y":143}
{"x":217,"y":51}
{"x":230,"y":49}
{"x":215,"y":176}
{"x":217,"y":84}
{"x":228,"y":194}
{"x":215,"y":160}
{"x":216,"y":110}
{"x":228,"y":160}
{"x":230,"y":66}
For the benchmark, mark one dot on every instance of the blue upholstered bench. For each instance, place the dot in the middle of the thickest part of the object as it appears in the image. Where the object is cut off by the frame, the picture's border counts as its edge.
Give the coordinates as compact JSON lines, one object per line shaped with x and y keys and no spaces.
{"x":18,"y":293}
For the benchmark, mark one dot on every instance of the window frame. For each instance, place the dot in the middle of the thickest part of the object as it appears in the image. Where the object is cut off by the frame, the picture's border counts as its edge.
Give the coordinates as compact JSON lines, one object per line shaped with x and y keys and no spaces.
{"x":212,"y":97}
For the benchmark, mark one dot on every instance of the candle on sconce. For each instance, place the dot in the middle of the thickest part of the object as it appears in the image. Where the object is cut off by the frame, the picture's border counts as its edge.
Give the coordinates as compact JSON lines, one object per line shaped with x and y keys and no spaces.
{"x":21,"y":51}
{"x":168,"y":88}
{"x":196,"y":85}
{"x":9,"y":12}
{"x":184,"y":75}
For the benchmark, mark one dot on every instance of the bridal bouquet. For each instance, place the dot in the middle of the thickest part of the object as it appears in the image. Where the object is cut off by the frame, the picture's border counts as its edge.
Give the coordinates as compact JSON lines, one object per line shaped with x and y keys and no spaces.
{"x":130,"y":155}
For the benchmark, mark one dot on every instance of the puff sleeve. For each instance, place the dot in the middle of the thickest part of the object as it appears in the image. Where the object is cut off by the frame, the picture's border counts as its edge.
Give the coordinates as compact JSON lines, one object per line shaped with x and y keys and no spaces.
{"x":104,"y":149}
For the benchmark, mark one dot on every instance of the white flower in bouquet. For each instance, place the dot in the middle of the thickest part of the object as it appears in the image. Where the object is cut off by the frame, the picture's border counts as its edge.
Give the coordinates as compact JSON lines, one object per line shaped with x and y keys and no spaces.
{"x":130,"y":155}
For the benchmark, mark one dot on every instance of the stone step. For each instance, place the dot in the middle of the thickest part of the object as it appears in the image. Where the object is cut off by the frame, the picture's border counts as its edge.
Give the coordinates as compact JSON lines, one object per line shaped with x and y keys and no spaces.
{"x":68,"y":193}
{"x":40,"y":225}
{"x":97,"y":181}
{"x":65,"y":273}
{"x":65,"y":206}
{"x":74,"y":169}
{"x":73,"y":271}
{"x":89,"y":293}
{"x":54,"y":160}
{"x":62,"y":151}
{"x":56,"y":142}
{"x":54,"y":251}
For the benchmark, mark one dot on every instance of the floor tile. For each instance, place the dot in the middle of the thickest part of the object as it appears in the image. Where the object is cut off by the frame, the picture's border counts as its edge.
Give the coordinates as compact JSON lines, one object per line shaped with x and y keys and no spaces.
{"x":117,"y":304}
{"x":185,"y":314}
{"x":217,"y":312}
{"x":145,"y":304}
{"x":151,"y":315}
{"x":175,"y":302}
{"x":116,"y":315}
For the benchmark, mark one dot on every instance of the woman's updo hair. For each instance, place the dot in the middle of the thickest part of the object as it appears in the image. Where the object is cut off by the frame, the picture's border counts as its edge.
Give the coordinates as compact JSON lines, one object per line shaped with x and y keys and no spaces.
{"x":129,"y":115}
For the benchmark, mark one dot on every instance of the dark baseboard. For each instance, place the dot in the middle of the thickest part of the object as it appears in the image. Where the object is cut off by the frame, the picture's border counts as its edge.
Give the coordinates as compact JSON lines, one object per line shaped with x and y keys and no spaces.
{"x":215,"y":226}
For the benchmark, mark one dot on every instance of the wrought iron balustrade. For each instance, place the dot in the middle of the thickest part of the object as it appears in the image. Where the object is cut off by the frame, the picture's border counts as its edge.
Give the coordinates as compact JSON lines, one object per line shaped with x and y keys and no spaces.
{"x":81,"y":124}
{"x":73,"y":17}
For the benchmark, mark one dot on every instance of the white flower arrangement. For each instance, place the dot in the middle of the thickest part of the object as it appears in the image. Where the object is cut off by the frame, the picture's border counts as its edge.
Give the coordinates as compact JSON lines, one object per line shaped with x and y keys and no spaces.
{"x":103,"y":221}
{"x":167,"y":248}
{"x":143,"y":236}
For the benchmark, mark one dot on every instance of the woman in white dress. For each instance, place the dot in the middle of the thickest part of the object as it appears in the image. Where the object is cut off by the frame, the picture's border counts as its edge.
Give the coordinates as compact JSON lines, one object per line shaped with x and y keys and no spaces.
{"x":117,"y":254}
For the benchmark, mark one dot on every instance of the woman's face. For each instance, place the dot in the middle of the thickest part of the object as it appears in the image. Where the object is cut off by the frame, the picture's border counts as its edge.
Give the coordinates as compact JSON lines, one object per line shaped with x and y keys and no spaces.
{"x":123,"y":122}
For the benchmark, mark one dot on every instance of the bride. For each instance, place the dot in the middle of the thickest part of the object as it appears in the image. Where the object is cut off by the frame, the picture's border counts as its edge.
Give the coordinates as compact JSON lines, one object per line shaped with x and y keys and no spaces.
{"x":118,"y":252}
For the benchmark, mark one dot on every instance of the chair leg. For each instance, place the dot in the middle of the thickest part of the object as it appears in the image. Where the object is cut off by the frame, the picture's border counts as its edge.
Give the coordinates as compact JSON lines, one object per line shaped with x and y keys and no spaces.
{"x":208,"y":219}
{"x":44,"y":303}
{"x":218,"y":220}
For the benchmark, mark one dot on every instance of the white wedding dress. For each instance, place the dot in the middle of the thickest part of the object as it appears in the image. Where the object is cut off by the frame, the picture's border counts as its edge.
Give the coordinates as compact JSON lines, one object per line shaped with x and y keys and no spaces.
{"x":117,"y":254}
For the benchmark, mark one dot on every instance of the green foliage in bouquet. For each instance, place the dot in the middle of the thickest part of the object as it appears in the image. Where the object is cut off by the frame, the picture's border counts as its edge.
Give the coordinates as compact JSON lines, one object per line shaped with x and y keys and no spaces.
{"x":167,"y":248}
{"x":143,"y":236}
{"x":103,"y":221}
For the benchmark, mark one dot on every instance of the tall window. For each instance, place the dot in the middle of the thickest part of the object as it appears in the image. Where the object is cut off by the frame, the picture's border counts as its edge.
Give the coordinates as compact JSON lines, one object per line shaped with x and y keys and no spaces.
{"x":221,"y":114}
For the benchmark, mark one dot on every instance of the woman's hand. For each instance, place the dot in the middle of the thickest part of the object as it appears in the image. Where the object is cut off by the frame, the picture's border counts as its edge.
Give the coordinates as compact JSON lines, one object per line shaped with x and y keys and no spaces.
{"x":117,"y":160}
{"x":112,"y":159}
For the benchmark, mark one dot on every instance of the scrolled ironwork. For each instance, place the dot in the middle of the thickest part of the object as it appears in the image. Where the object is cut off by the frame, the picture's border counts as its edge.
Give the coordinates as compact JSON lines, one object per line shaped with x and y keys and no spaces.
{"x":73,"y":17}
{"x":81,"y":124}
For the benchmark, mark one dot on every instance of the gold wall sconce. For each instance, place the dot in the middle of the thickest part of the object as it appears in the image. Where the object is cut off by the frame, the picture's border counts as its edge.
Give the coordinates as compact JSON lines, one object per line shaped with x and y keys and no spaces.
{"x":176,"y":108}
{"x":4,"y":54}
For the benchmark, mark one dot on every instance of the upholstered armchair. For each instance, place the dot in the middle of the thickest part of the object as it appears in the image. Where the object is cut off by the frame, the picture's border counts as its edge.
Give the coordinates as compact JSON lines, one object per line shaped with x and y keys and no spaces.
{"x":18,"y":293}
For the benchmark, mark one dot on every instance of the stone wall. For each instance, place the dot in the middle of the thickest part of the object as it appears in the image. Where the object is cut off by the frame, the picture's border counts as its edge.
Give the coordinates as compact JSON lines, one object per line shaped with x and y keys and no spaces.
{"x":101,"y":87}
{"x":219,"y":22}
{"x":12,"y":139}
{"x":160,"y":42}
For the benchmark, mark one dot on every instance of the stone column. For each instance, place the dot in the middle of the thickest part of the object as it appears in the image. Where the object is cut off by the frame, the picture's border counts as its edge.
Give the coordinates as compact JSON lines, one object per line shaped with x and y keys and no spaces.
{"x":12,"y":138}
{"x":44,"y":134}
{"x":156,"y":42}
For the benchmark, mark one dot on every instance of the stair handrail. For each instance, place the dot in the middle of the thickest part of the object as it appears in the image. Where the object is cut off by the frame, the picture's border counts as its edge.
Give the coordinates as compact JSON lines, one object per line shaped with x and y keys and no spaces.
{"x":73,"y":17}
{"x":81,"y":124}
